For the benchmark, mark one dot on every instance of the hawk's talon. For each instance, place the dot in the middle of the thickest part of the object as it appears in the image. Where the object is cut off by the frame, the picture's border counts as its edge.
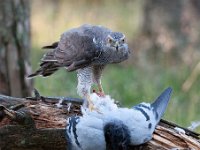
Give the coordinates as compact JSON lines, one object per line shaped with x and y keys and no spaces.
{"x":100,"y":93}
{"x":91,"y":107}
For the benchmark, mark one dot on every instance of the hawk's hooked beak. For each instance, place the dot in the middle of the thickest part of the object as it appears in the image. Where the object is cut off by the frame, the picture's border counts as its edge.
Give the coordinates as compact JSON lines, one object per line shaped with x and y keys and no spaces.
{"x":117,"y":47}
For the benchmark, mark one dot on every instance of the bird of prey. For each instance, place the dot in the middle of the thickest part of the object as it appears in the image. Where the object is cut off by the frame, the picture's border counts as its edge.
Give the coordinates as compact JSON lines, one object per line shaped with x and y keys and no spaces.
{"x":117,"y":128}
{"x":86,"y":49}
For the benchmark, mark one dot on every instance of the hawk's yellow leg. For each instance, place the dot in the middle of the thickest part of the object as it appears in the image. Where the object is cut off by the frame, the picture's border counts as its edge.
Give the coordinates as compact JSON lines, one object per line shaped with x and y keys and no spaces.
{"x":90,"y":103}
{"x":100,"y":92}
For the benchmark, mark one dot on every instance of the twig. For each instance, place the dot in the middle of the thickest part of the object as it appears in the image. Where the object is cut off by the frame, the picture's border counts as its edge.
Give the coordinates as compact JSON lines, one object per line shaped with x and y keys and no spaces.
{"x":173,"y":125}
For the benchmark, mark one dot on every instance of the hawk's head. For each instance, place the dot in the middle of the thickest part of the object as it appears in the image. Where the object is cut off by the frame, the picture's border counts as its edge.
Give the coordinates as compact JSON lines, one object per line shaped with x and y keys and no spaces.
{"x":116,"y":47}
{"x":116,"y":40}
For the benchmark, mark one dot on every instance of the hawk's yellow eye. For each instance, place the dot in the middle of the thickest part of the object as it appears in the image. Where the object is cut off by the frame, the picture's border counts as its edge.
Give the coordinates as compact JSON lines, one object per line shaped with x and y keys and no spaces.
{"x":110,"y":39}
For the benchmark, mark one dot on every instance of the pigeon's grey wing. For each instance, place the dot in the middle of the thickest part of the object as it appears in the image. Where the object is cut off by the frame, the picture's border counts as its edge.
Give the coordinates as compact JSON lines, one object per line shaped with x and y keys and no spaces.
{"x":76,"y":50}
{"x":158,"y":107}
{"x":160,"y":104}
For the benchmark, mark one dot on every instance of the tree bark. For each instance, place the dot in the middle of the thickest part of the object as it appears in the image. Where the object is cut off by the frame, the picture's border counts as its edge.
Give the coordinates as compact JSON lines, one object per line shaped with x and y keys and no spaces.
{"x":35,"y":123}
{"x":20,"y":138}
{"x":14,"y":47}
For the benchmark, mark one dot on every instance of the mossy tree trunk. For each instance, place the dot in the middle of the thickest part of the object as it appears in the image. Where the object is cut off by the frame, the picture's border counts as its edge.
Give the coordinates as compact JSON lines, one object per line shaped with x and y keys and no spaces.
{"x":169,"y":32}
{"x":14,"y":47}
{"x":34,"y":123}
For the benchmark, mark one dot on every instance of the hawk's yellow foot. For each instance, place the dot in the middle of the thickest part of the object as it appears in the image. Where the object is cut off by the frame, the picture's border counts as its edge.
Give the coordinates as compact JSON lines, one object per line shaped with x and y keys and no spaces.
{"x":91,"y":106}
{"x":100,"y":93}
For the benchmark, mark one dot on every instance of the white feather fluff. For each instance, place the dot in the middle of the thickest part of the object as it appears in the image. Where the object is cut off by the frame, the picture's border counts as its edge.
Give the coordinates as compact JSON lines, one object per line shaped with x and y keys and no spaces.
{"x":107,"y":112}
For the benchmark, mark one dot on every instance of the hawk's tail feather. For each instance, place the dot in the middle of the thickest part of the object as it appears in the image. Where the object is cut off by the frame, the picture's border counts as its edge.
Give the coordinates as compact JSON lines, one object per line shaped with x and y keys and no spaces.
{"x":49,"y":56}
{"x":46,"y":69}
{"x":52,"y":46}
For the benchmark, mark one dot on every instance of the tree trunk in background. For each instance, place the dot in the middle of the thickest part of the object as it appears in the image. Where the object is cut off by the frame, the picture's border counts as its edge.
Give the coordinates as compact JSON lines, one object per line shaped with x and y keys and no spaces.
{"x":169,"y":32}
{"x":14,"y":47}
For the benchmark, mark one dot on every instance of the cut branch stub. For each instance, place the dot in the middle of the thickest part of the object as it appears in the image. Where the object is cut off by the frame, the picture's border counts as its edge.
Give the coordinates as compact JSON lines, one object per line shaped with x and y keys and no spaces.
{"x":22,"y":116}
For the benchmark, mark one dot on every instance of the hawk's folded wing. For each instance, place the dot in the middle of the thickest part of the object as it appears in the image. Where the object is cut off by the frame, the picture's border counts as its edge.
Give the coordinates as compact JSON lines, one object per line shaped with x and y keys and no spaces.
{"x":75,"y":50}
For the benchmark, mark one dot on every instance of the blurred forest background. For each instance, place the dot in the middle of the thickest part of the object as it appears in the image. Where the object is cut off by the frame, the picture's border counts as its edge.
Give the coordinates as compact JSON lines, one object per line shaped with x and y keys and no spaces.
{"x":164,"y":38}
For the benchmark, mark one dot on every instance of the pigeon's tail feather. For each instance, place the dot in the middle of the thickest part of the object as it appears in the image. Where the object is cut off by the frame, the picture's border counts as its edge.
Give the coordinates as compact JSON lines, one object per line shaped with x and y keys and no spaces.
{"x":160,"y":104}
{"x":117,"y":136}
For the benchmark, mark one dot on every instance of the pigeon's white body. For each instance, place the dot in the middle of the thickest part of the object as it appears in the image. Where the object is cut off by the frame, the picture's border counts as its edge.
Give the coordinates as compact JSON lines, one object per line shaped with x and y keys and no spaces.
{"x":141,"y":121}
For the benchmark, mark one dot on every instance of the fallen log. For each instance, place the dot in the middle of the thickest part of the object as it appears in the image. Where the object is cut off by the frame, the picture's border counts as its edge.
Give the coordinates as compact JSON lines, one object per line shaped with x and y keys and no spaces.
{"x":39,"y":123}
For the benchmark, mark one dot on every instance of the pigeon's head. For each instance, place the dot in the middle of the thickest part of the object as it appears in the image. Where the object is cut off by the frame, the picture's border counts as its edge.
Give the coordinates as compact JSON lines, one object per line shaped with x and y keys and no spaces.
{"x":117,"y":47}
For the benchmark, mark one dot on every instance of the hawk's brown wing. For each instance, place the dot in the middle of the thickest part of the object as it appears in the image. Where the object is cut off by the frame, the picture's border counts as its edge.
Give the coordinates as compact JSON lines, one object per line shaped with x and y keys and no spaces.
{"x":74,"y":50}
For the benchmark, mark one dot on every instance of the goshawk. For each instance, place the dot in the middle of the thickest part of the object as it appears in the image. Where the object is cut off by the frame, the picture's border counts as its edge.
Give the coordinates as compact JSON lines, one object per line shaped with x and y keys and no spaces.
{"x":86,"y":49}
